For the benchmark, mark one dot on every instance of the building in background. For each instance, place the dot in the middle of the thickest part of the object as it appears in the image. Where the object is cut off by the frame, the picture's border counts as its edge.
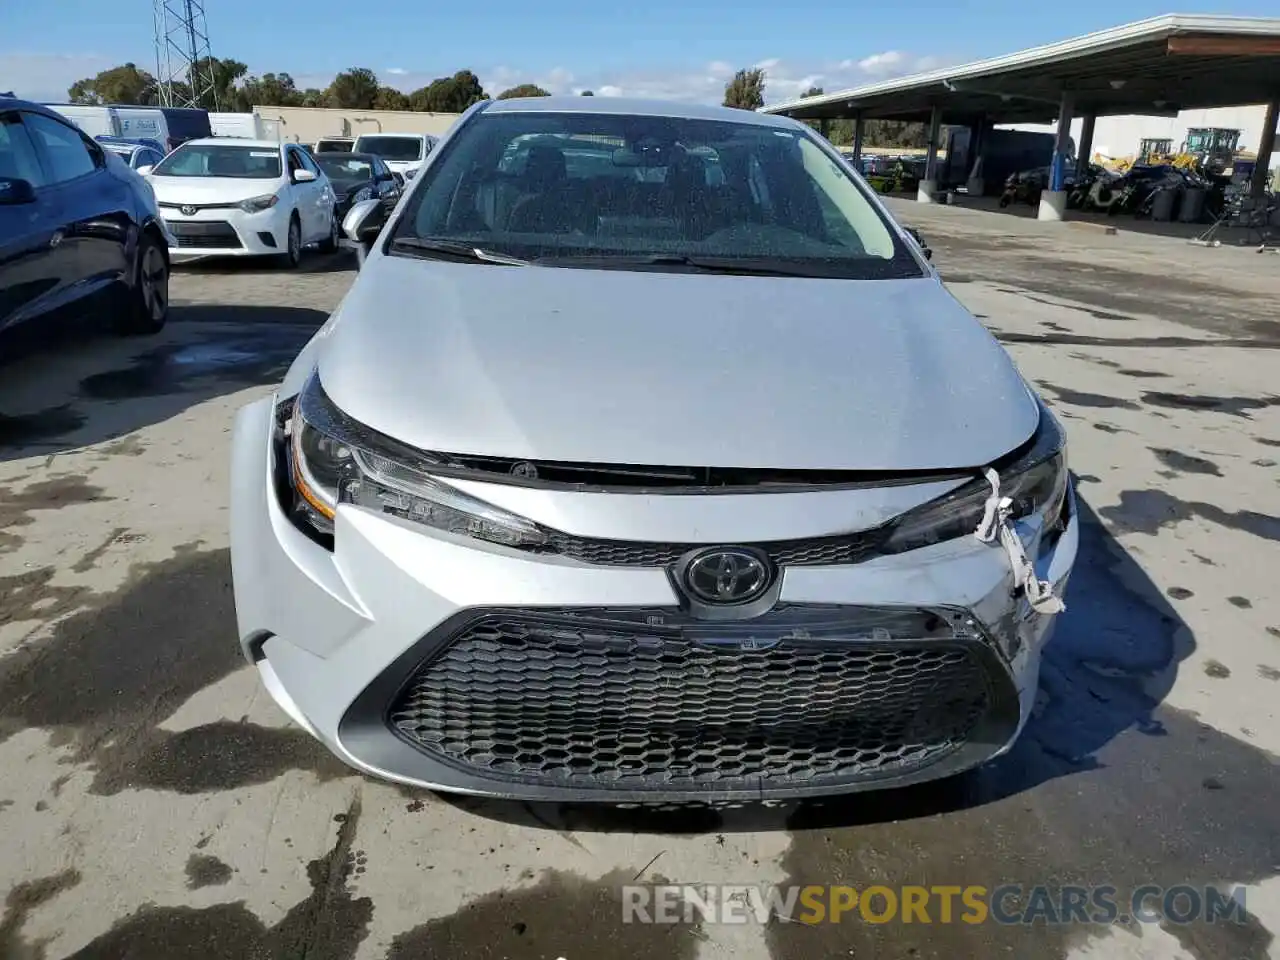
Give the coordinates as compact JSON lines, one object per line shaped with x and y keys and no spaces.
{"x":309,"y":124}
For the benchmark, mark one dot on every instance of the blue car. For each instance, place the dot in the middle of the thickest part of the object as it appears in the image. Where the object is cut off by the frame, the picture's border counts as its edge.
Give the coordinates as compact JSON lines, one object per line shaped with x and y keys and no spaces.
{"x":137,"y":153}
{"x":75,"y":225}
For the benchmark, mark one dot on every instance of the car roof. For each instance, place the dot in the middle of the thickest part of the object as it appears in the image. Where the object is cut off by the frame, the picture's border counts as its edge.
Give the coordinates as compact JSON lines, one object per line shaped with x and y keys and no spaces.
{"x":344,"y":154}
{"x":397,"y":133}
{"x":237,"y":142}
{"x":636,"y":107}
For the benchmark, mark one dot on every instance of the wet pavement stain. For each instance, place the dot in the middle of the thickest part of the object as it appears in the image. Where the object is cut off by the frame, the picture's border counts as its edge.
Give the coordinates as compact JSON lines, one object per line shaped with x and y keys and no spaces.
{"x":1268,"y":673}
{"x":328,"y":925}
{"x":1185,"y":462}
{"x":1142,"y":374}
{"x":1084,"y":340}
{"x":19,"y":430}
{"x":1180,"y":593}
{"x":1080,"y":398}
{"x":90,"y":559}
{"x":1097,"y":791}
{"x":1146,"y":511}
{"x":1236,"y":406}
{"x":250,"y":357}
{"x":16,"y":506}
{"x":562,"y":915}
{"x":19,"y":904}
{"x":1109,"y":428}
{"x":106,"y":677}
{"x":1244,"y":603}
{"x":206,"y":871}
{"x":1216,"y":670}
{"x":1267,"y":441}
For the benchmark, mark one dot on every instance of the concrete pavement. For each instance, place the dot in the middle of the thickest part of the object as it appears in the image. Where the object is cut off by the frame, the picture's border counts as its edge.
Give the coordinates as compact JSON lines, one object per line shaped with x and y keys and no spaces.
{"x":155,"y":803}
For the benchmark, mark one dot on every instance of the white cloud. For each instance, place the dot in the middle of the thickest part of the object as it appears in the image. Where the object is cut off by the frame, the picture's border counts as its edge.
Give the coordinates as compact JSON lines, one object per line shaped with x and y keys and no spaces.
{"x":46,"y":76}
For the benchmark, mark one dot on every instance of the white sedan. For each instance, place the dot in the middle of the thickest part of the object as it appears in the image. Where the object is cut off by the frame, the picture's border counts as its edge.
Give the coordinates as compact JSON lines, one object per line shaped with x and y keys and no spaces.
{"x":245,"y":198}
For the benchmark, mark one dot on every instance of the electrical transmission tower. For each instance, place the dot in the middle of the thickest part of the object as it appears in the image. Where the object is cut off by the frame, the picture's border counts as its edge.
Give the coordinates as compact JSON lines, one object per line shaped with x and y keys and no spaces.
{"x":184,"y":64}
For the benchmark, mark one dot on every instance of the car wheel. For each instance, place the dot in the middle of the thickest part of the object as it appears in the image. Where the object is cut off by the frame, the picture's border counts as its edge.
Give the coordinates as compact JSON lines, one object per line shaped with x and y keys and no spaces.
{"x":293,"y":245}
{"x":147,"y":305}
{"x":330,"y":243}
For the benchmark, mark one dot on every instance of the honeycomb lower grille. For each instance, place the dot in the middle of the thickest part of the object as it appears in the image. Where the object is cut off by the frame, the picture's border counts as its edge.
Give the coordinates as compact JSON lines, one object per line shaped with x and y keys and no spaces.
{"x":615,"y":706}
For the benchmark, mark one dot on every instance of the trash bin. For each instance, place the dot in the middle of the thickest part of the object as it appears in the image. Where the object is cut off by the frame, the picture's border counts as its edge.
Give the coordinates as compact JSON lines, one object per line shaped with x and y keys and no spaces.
{"x":1192,"y":205}
{"x":1162,"y":205}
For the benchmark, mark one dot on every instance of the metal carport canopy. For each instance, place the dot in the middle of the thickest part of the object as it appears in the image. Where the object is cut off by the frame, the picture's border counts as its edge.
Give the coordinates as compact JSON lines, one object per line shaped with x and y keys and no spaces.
{"x":1154,"y":67}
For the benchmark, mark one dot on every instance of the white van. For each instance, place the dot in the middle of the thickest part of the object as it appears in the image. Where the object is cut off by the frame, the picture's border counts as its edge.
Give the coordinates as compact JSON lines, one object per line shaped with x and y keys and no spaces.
{"x":172,"y":126}
{"x":95,"y":121}
{"x":404,"y":153}
{"x":246,"y":126}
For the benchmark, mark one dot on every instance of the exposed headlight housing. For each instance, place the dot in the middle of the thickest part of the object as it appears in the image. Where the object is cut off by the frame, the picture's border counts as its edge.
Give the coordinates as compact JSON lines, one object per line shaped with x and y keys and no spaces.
{"x":258,"y":204}
{"x":1034,"y":477}
{"x":334,"y":460}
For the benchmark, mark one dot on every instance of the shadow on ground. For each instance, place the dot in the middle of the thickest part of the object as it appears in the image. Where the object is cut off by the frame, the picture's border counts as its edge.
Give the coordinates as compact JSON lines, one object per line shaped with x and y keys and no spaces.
{"x":77,"y":386}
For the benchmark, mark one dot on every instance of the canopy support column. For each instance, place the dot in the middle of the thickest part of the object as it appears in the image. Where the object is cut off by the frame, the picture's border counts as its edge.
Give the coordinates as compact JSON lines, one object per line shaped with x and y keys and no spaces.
{"x":929,"y":185}
{"x":1053,"y":202}
{"x":858,"y":127}
{"x":1084,"y":151}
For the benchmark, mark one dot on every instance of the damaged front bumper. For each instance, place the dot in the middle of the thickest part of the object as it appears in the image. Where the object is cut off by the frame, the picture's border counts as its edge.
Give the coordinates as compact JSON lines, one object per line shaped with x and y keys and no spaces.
{"x":446,"y":663}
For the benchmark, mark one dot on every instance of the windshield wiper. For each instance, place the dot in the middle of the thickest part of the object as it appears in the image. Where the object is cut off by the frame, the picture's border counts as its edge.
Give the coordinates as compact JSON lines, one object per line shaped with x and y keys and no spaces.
{"x":456,"y":249}
{"x":728,"y":265}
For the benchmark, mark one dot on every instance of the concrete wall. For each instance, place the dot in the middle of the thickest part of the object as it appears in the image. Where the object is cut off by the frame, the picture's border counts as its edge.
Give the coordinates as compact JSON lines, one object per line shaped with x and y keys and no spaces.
{"x":1121,"y":136}
{"x":308,"y":124}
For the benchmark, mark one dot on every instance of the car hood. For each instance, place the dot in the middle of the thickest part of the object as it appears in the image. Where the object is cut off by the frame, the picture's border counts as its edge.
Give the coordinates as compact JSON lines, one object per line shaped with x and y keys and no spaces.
{"x":199,"y":190}
{"x":672,"y":369}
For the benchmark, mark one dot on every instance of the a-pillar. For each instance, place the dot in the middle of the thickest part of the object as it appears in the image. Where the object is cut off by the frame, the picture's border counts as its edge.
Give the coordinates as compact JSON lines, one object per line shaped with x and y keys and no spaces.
{"x":1084,"y":150}
{"x":1266,"y":145}
{"x":858,"y":127}
{"x":1053,"y":202}
{"x":929,"y":185}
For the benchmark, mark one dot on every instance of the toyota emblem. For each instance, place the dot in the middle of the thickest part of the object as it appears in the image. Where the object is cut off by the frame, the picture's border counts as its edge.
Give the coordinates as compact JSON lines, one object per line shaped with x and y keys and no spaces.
{"x":728,"y":575}
{"x":188,"y":210}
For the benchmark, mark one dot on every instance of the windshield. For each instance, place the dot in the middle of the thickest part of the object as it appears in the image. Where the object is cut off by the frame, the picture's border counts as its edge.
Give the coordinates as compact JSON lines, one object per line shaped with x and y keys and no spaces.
{"x":392,"y":148}
{"x":219,"y":160}
{"x":346,"y":168}
{"x":616,"y":190}
{"x":334,"y":146}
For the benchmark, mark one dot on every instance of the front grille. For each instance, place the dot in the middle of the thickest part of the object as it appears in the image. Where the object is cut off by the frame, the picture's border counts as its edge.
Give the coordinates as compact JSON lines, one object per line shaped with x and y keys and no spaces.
{"x":809,"y":552}
{"x":616,"y":705}
{"x":207,"y":234}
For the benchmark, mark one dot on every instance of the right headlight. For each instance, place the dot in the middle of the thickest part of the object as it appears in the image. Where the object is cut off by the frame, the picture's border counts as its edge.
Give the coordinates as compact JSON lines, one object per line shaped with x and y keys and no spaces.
{"x":334,"y":460}
{"x":258,"y":204}
{"x":1034,"y":478}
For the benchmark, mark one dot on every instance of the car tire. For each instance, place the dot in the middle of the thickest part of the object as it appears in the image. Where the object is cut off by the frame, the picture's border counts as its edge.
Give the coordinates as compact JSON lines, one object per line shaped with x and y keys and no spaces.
{"x":330,"y":243}
{"x":146,"y":307}
{"x":292,"y":256}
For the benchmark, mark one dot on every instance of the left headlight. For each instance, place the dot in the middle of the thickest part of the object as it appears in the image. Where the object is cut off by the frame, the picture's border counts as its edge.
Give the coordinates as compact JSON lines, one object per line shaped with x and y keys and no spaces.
{"x":334,"y":460}
{"x":258,"y":204}
{"x":1034,"y":478}
{"x":364,"y":193}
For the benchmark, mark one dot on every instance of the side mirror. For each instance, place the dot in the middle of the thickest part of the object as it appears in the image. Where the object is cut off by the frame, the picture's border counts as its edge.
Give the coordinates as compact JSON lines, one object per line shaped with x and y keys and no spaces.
{"x":303,"y":176}
{"x":145,"y":169}
{"x":364,"y":221}
{"x":14,"y":191}
{"x":924,"y":247}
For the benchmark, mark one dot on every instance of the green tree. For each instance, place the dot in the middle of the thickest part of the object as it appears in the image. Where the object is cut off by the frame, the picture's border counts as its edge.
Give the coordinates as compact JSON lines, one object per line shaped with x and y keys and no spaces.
{"x":271,"y":90}
{"x":226,"y":95}
{"x":448,"y":94}
{"x":588,"y":93}
{"x":523,"y":90}
{"x":389,"y":98}
{"x":356,"y":88}
{"x":746,"y":90}
{"x":312,"y":97}
{"x":123,"y":84}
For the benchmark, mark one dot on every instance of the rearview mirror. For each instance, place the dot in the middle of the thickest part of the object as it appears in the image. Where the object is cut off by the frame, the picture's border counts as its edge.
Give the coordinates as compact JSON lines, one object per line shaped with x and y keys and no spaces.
{"x":145,"y":169}
{"x":363,"y":222}
{"x":15,"y":191}
{"x":303,"y":176}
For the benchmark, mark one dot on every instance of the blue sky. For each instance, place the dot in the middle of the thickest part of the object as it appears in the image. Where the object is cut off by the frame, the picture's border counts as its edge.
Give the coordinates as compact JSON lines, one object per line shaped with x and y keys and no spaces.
{"x":668,"y":48}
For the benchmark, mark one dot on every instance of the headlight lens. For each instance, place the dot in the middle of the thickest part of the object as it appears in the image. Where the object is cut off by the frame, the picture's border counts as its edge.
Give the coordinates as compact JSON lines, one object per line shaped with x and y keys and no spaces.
{"x":364,"y":193}
{"x":1035,"y":480}
{"x":258,"y":204}
{"x":333,"y":460}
